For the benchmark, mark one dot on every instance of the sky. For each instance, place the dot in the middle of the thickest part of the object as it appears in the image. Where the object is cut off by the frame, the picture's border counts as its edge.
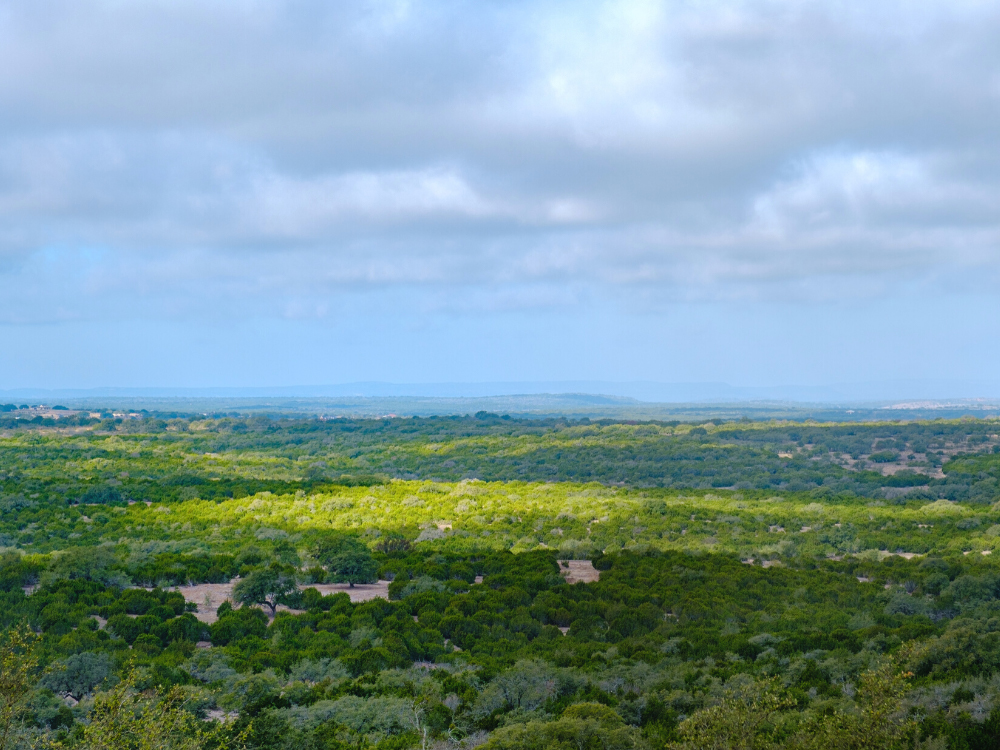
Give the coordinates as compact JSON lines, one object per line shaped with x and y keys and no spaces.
{"x":221,"y":193}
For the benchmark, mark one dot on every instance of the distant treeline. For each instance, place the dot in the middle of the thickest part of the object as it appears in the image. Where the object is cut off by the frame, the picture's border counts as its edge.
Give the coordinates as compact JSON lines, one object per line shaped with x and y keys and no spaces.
{"x":829,"y":459}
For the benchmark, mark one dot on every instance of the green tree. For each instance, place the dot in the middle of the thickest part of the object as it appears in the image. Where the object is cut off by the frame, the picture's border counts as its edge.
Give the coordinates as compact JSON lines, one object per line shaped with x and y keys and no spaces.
{"x":879,"y":723}
{"x":353,"y":564}
{"x":393,"y":543}
{"x":126,"y":719}
{"x":18,"y":666}
{"x":269,"y":587}
{"x":78,"y":674}
{"x":743,"y":720}
{"x":98,"y":564}
{"x":585,"y":726}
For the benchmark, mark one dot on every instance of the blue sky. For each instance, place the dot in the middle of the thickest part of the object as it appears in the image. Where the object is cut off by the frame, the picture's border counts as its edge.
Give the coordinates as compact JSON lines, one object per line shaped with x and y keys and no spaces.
{"x":262,"y":193}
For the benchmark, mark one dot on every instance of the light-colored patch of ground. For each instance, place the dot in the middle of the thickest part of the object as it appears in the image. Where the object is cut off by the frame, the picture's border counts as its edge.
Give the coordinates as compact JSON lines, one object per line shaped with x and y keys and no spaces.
{"x":361,"y":592}
{"x":579,"y":571}
{"x":931,"y":472}
{"x":891,"y":467}
{"x":209,"y":596}
{"x":219,"y":715}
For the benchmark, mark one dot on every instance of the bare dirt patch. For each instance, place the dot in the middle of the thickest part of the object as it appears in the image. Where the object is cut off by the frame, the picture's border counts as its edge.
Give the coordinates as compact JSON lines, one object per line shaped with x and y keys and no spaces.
{"x":904,"y":555}
{"x":209,"y":596}
{"x":579,"y":571}
{"x":361,"y":592}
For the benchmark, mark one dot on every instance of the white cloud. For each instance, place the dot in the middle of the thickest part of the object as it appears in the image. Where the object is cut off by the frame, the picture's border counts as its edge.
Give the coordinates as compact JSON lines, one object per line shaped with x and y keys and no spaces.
{"x":280,"y":206}
{"x":210,"y":157}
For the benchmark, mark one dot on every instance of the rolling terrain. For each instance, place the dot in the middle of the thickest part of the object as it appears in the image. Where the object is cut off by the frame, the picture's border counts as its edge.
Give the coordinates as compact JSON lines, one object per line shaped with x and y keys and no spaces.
{"x":506,"y":582}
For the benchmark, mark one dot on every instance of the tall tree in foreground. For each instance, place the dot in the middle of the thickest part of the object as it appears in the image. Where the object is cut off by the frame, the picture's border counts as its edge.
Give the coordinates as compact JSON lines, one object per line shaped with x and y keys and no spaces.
{"x":583,"y":726}
{"x":879,"y":723}
{"x":125,"y":718}
{"x":18,"y":674}
{"x":744,"y":719}
{"x":752,"y":718}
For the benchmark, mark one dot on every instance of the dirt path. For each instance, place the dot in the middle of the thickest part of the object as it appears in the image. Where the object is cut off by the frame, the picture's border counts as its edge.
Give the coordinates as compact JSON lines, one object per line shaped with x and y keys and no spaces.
{"x":579,"y":571}
{"x":208,"y":596}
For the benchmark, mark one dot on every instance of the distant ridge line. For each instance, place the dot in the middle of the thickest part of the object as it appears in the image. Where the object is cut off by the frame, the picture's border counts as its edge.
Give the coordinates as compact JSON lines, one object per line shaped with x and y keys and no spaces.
{"x":908,"y":391}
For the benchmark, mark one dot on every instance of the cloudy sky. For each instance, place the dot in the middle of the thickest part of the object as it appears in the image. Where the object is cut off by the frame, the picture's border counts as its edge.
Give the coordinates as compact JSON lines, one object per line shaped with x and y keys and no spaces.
{"x":223,"y":192}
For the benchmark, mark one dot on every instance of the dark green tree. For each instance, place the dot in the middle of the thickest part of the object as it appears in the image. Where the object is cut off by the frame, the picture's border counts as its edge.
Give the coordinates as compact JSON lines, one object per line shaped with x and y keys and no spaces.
{"x":269,"y":587}
{"x":353,"y":565}
{"x":347,"y":559}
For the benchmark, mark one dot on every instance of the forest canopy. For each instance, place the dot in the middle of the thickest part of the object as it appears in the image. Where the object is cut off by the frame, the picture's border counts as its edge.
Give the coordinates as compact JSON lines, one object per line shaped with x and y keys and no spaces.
{"x":276,"y":583}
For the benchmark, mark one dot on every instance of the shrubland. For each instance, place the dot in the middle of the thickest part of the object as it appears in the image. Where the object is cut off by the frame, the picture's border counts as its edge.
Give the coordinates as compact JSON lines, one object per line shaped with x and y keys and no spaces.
{"x":761,"y":584}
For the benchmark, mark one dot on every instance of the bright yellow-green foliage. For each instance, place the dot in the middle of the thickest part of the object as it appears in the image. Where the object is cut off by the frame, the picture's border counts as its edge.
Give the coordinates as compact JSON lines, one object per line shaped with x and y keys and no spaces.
{"x":153,"y":459}
{"x":18,"y":665}
{"x":808,"y":489}
{"x":744,"y":719}
{"x":878,"y":722}
{"x":571,"y":517}
{"x":585,"y":726}
{"x":126,"y":719}
{"x":758,"y":716}
{"x":574,"y":518}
